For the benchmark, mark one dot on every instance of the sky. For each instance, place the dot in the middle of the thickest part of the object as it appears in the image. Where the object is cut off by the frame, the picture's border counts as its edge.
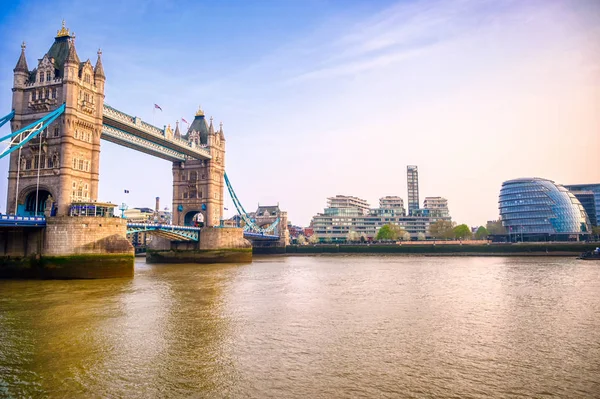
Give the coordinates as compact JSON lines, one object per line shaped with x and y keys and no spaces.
{"x":323,"y":97}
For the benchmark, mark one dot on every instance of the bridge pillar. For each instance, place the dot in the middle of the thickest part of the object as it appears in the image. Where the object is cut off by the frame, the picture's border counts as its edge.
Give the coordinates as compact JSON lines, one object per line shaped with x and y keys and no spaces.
{"x":69,"y":152}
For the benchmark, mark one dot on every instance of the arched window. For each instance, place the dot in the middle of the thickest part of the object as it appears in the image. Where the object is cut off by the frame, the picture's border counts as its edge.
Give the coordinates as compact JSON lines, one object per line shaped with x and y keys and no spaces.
{"x":27,"y":163}
{"x":43,"y":161}
{"x":55,"y":160}
{"x":54,"y":93}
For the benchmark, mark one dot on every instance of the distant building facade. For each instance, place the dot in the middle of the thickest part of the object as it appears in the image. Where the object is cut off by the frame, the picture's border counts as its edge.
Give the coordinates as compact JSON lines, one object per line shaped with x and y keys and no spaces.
{"x":436,"y":206}
{"x":535,"y":209}
{"x":589,"y":196}
{"x":412,"y":185}
{"x":335,"y":224}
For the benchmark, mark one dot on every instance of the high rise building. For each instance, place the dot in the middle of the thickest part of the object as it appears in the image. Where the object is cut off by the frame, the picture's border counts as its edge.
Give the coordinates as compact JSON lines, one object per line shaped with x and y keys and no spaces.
{"x":592,"y":206}
{"x":412,"y":182}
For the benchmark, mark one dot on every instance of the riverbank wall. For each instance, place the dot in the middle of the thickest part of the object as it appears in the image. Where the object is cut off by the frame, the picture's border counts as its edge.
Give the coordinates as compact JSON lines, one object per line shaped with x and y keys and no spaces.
{"x":518,"y":249}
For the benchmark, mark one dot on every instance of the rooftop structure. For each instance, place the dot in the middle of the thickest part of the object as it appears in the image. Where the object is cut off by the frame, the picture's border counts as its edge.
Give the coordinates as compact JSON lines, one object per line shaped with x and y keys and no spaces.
{"x":437,"y":206}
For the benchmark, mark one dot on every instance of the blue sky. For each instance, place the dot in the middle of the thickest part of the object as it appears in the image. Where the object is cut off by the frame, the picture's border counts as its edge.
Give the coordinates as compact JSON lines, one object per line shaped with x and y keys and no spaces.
{"x":320,"y":97}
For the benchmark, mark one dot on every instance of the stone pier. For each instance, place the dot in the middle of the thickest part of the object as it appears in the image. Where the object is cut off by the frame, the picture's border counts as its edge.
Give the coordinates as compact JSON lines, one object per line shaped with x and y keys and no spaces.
{"x":217,"y":245}
{"x":67,"y":248}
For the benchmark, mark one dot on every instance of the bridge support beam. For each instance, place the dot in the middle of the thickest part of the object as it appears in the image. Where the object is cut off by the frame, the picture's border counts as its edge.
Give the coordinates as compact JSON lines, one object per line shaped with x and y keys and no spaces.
{"x":217,"y":245}
{"x":68,"y":248}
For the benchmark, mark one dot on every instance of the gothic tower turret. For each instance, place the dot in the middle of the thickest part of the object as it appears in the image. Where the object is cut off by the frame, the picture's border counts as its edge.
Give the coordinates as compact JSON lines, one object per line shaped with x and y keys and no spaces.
{"x":66,"y":154}
{"x":198,"y":184}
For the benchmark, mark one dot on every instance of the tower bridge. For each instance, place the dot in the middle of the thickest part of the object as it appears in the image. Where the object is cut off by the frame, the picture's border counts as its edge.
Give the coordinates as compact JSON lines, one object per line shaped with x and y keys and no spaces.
{"x":58,"y":120}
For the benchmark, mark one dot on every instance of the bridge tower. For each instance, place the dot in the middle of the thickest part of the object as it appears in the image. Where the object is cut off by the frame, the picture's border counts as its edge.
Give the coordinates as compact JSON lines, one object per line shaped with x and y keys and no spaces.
{"x":198,"y":184}
{"x":67,"y":153}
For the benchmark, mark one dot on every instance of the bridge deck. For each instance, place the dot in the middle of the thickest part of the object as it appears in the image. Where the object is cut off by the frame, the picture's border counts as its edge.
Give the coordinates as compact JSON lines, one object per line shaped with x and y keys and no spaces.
{"x":22,"y":221}
{"x":129,"y":131}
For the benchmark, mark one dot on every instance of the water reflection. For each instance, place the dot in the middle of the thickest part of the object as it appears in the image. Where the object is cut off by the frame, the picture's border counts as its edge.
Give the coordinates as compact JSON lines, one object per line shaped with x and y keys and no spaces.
{"x":309,"y":326}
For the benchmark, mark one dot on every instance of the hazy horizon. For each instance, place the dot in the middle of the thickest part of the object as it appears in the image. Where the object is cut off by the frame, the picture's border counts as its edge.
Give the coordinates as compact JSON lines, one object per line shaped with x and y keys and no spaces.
{"x":320,"y":98}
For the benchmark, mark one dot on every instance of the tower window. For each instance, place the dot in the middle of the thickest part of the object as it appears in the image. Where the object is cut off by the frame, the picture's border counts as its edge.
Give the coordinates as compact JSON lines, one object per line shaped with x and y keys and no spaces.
{"x":54,"y":93}
{"x":48,"y":77}
{"x":47,"y":93}
{"x":41,"y":77}
{"x":56,"y":132}
{"x":28,"y":163}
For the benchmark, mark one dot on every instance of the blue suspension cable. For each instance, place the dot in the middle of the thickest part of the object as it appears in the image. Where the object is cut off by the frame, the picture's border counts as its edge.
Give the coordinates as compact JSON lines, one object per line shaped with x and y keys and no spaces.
{"x":6,"y":118}
{"x":45,"y":121}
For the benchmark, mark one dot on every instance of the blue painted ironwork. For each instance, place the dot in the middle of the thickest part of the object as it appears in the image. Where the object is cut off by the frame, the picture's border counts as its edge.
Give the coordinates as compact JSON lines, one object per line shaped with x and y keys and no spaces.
{"x":177,"y":233}
{"x":260,"y":236}
{"x":250,"y":225}
{"x":6,"y":118}
{"x":22,"y":221}
{"x":18,"y":141}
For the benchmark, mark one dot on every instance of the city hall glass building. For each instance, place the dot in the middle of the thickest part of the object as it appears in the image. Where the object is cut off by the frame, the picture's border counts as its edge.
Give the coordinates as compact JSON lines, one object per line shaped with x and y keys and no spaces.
{"x":534,"y":209}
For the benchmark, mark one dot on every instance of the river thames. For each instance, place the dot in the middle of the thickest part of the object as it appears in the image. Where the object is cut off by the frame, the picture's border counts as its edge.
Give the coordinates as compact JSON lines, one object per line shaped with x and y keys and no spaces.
{"x":309,"y":327}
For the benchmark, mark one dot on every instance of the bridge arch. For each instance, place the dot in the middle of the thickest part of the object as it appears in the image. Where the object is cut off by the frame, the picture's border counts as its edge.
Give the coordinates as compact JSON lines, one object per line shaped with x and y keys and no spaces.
{"x":26,"y":201}
{"x":188,"y":219}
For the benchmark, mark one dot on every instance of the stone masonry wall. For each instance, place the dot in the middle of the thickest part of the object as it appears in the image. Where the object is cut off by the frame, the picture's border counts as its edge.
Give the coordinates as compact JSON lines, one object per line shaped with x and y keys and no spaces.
{"x":86,"y":235}
{"x":223,"y":238}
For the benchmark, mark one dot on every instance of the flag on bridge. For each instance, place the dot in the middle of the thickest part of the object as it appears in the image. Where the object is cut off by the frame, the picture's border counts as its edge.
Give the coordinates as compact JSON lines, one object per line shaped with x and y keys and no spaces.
{"x":183,"y":120}
{"x":157,"y":106}
{"x":126,"y":191}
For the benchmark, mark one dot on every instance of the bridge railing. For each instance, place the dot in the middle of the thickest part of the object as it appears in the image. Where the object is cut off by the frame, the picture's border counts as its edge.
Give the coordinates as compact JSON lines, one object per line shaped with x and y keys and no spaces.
{"x":16,"y":220}
{"x":138,"y":123}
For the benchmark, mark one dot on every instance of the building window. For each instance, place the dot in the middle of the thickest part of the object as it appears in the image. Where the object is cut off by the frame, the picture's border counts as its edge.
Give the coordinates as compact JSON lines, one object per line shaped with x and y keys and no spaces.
{"x":87,"y":79}
{"x":56,"y":132}
{"x":47,"y":93}
{"x":41,"y":77}
{"x":185,"y":194}
{"x":54,"y":93}
{"x":27,"y":163}
{"x":74,"y":163}
{"x":81,"y":164}
{"x":193,"y":176}
{"x":43,"y":161}
{"x":48,"y":77}
{"x":76,"y":134}
{"x":33,"y":95}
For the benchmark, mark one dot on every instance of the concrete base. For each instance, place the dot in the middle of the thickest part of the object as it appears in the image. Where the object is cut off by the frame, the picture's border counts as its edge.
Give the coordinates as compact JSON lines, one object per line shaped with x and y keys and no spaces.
{"x":240,"y":255}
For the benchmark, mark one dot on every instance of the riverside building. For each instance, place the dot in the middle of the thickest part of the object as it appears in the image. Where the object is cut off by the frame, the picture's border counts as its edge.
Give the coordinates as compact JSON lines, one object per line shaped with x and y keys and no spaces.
{"x":535,"y":209}
{"x":345,"y":214}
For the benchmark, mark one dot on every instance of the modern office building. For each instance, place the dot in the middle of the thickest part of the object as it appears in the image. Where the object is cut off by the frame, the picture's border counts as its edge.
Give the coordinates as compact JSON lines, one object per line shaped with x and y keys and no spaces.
{"x":412,"y":183}
{"x":335,"y":224}
{"x":592,"y":207}
{"x":436,"y":206}
{"x":535,"y":209}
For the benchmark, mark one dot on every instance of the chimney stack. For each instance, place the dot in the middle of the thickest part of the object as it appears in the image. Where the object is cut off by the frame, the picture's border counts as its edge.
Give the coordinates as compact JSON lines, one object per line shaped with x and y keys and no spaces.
{"x":157,"y":204}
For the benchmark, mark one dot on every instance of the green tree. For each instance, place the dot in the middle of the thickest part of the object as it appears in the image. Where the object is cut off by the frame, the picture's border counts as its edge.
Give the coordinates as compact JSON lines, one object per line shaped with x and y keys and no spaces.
{"x":442,"y":229}
{"x":495,"y":227}
{"x":481,"y":233}
{"x":389,"y":232}
{"x":461,"y":232}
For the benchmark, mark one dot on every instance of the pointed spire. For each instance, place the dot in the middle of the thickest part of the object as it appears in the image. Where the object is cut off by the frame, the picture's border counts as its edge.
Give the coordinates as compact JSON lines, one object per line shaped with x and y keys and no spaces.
{"x":221,"y":134}
{"x":177,"y":132}
{"x":200,"y":112}
{"x":211,"y":129}
{"x":72,"y":56}
{"x":98,"y":69}
{"x":22,"y":63}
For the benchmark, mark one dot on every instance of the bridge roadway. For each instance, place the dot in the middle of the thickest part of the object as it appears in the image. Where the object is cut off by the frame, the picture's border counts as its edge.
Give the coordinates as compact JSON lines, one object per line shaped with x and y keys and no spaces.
{"x":132,"y":132}
{"x":173,"y":232}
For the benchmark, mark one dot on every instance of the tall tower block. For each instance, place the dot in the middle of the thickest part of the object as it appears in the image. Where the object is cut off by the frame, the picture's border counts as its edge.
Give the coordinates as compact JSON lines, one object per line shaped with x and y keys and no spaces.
{"x":66,"y":156}
{"x":198,"y":184}
{"x":412,"y":182}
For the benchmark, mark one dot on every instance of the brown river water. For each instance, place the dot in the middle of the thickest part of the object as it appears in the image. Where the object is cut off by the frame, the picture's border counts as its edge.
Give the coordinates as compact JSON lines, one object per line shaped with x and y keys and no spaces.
{"x":309,"y":327}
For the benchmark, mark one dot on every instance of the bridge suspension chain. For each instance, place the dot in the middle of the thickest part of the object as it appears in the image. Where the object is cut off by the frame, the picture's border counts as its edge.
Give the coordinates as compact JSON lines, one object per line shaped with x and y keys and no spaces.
{"x":17,"y":141}
{"x":250,"y":225}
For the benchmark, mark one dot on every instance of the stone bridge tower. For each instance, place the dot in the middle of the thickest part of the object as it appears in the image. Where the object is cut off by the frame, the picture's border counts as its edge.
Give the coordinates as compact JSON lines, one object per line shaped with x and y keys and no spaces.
{"x":67,"y":153}
{"x":198,"y":184}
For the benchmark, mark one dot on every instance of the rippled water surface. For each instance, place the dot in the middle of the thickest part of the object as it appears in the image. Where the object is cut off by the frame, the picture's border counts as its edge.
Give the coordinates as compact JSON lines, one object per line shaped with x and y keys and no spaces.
{"x":309,"y":327}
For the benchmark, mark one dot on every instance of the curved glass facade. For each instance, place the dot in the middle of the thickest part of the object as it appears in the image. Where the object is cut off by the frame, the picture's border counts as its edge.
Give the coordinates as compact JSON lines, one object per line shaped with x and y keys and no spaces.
{"x":539,"y":206}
